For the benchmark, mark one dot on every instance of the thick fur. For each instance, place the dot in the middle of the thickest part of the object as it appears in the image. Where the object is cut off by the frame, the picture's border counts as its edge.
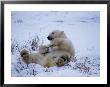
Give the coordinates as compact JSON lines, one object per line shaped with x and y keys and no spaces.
{"x":59,"y":57}
{"x":56,"y":34}
{"x":59,"y":41}
{"x":43,"y":49}
{"x":55,"y":58}
{"x":34,"y":57}
{"x":30,"y":58}
{"x":63,"y":45}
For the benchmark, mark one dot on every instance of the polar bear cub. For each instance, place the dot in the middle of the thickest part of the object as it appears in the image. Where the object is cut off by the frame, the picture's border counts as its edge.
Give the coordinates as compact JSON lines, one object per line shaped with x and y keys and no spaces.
{"x":31,"y":57}
{"x":45,"y":59}
{"x":59,"y":41}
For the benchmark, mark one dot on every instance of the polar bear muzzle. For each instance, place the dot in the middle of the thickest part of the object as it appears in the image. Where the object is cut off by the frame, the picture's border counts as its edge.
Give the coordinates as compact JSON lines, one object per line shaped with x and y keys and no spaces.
{"x":49,"y":38}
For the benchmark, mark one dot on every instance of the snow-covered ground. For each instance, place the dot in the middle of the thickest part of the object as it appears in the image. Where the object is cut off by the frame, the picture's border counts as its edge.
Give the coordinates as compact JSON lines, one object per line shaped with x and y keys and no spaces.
{"x":82,"y":28}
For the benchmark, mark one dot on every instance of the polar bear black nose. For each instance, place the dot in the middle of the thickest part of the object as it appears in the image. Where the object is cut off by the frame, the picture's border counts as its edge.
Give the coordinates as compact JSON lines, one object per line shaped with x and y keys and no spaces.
{"x":49,"y":38}
{"x":23,"y":54}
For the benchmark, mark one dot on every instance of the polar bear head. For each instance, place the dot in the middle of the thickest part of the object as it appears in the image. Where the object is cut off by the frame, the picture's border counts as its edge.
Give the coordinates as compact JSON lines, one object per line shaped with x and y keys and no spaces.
{"x":56,"y":34}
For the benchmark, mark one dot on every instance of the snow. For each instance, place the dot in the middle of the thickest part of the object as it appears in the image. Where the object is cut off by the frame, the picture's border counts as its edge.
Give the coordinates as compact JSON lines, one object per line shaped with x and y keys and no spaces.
{"x":82,"y":28}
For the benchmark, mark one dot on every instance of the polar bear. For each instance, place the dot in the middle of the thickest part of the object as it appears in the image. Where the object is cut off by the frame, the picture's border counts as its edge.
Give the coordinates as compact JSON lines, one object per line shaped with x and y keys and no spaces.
{"x":59,"y":41}
{"x":45,"y":59}
{"x":34,"y":57}
{"x":59,"y":57}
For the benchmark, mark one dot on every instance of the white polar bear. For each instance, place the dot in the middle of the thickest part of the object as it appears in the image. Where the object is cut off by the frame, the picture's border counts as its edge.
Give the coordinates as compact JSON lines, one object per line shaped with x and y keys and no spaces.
{"x":59,"y":41}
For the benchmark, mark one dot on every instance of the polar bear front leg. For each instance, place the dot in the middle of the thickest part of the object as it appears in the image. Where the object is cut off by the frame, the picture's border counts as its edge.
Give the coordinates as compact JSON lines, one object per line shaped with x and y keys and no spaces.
{"x":53,"y":47}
